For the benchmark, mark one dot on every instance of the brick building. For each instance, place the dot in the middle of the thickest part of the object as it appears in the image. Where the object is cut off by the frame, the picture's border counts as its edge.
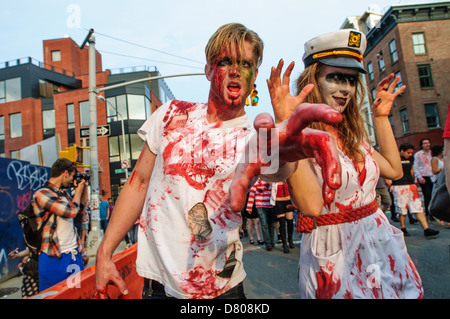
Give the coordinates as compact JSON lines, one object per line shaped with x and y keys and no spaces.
{"x":40,"y":100}
{"x":412,"y":41}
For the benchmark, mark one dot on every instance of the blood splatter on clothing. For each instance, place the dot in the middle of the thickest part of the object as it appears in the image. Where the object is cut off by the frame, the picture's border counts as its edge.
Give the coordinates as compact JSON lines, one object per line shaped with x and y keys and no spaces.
{"x":362,"y":259}
{"x":187,"y":229}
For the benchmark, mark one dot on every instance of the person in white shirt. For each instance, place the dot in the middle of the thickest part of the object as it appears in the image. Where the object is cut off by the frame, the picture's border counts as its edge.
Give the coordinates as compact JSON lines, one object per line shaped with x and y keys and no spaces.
{"x":423,"y":173}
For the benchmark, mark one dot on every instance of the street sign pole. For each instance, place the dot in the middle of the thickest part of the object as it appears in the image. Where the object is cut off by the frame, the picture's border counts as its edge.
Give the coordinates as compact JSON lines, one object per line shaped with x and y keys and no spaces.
{"x":94,"y":237}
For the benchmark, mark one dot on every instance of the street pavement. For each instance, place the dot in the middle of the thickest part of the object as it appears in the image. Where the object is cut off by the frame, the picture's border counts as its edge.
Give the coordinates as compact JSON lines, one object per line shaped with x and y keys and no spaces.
{"x":273,"y":274}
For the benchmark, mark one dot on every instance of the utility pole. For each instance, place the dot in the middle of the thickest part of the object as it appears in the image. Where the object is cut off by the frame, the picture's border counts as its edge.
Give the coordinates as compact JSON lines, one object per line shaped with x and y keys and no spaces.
{"x":94,"y":237}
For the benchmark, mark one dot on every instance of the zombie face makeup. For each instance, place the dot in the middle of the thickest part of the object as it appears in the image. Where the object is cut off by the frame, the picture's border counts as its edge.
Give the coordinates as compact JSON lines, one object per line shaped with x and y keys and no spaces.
{"x":337,"y":85}
{"x":232,"y":76}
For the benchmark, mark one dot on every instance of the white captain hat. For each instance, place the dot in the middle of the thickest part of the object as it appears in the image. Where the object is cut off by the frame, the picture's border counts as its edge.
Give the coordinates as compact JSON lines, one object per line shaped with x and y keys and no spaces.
{"x":343,"y":48}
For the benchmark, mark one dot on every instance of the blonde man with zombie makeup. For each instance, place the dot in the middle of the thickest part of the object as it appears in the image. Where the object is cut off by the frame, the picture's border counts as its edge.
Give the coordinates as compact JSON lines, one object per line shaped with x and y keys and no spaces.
{"x":349,"y":249}
{"x":188,"y":237}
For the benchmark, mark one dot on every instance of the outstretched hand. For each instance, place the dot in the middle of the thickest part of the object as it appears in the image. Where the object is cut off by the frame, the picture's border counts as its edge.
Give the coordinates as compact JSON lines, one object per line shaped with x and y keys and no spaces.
{"x":385,"y":95}
{"x":288,"y":142}
{"x":281,"y":145}
{"x":283,"y":102}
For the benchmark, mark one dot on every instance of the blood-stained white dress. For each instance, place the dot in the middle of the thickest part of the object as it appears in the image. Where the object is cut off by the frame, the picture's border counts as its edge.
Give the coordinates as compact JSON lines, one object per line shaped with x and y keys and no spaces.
{"x":366,"y":258}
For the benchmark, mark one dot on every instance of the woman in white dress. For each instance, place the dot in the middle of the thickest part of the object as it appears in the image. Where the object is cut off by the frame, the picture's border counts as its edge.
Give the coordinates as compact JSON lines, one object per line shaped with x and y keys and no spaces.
{"x":437,"y":162}
{"x":349,"y":249}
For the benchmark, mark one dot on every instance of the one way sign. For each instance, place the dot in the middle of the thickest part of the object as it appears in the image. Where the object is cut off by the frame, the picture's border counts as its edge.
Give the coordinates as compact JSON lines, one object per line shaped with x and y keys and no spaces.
{"x":103,"y":130}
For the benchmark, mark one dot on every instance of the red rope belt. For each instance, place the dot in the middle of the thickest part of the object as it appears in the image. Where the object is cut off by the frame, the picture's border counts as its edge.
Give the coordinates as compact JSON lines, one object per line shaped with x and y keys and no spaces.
{"x":307,"y":224}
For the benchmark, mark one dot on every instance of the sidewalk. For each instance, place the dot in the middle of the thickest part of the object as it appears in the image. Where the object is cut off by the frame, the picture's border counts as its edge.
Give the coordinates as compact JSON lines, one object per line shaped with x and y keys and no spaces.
{"x":11,"y":288}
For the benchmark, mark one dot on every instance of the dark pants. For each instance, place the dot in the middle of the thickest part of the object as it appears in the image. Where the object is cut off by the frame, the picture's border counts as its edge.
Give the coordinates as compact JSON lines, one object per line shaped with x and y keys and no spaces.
{"x":266,"y":219}
{"x":104,"y":224}
{"x":427,"y":188}
{"x":154,"y":290}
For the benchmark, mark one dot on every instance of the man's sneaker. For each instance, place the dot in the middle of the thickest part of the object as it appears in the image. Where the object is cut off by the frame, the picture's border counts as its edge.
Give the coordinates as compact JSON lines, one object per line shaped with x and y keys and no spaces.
{"x":405,"y":232}
{"x":430,"y":232}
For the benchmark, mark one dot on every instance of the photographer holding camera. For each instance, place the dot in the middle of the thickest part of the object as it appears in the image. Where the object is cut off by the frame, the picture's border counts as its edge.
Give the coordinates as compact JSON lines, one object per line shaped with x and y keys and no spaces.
{"x":61,"y":253}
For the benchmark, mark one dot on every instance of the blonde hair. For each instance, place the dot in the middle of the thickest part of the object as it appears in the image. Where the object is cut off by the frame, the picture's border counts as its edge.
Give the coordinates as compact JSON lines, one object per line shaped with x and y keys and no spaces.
{"x":233,"y":34}
{"x":351,"y":130}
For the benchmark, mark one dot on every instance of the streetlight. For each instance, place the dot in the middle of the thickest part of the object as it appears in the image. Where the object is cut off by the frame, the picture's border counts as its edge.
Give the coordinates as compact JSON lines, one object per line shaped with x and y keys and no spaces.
{"x":102,"y":98}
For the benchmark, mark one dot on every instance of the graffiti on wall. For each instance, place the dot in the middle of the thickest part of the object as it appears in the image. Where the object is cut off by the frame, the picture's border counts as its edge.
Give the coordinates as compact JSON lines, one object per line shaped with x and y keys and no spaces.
{"x":18,"y":181}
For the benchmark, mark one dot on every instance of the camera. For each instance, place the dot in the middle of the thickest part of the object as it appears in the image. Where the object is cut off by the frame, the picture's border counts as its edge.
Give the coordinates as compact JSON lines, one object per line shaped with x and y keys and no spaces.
{"x":79,"y":176}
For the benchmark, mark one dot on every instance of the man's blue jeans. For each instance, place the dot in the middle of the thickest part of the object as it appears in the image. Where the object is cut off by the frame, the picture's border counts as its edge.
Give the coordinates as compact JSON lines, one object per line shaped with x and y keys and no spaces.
{"x":266,"y":221}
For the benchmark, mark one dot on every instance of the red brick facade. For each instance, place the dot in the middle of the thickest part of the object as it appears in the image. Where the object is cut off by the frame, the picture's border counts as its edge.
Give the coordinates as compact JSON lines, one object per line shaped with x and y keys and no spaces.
{"x":415,"y":97}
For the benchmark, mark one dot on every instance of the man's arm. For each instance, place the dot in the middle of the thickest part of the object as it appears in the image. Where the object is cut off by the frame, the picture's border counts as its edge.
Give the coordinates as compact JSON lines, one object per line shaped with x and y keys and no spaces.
{"x":50,"y":202}
{"x":418,"y":166}
{"x":128,"y":208}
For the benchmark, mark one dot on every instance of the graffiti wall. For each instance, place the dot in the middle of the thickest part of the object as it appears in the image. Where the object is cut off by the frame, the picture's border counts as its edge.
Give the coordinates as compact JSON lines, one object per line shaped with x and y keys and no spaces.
{"x":18,"y":181}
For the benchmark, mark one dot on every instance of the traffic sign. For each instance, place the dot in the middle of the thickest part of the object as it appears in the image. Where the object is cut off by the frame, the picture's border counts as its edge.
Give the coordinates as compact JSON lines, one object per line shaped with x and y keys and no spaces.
{"x":102,"y":130}
{"x":119,"y":170}
{"x":125,"y":164}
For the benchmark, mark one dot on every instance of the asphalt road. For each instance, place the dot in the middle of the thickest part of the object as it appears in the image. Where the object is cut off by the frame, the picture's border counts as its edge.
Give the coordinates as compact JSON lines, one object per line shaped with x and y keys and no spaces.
{"x":273,"y":275}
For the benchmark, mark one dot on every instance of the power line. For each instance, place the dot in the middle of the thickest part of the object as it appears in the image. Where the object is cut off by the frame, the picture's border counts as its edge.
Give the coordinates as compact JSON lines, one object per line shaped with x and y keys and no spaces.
{"x":135,"y":57}
{"x":148,"y":48}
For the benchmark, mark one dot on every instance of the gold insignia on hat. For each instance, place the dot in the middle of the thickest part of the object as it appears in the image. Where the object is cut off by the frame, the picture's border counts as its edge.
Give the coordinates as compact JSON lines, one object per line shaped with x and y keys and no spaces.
{"x":354,"y":39}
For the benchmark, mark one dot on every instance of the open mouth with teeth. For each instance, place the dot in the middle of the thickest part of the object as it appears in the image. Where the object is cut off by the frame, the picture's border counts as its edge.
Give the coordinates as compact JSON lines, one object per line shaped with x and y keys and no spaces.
{"x":234,"y":89}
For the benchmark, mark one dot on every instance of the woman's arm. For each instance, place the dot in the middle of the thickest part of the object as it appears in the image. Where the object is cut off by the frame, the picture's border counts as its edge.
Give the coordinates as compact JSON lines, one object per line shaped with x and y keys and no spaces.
{"x":435,"y":165}
{"x":305,"y":190}
{"x":388,"y":158}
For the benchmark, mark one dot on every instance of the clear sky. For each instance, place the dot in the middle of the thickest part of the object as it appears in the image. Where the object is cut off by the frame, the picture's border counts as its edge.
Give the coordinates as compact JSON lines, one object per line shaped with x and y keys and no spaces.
{"x":172,"y":34}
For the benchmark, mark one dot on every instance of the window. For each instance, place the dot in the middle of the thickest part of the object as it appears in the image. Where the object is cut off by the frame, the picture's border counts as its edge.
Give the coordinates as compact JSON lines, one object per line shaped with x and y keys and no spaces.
{"x":2,"y":128}
{"x":381,"y":61}
{"x":391,"y":121}
{"x":374,"y":94}
{"x":114,"y":151}
{"x":393,"y":51}
{"x":70,"y":116}
{"x":370,"y":70}
{"x":400,"y":82}
{"x":47,"y":89}
{"x":10,"y":90}
{"x":419,"y":44}
{"x":48,"y":117}
{"x":405,"y":122}
{"x":111,"y":114}
{"x":15,"y":125}
{"x":148,"y":110}
{"x":136,"y":146}
{"x":56,"y":56}
{"x":2,"y":92}
{"x":136,"y":107}
{"x":426,"y":80}
{"x":84,"y":113}
{"x":431,"y":112}
{"x":116,"y":106}
{"x":15,"y":154}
